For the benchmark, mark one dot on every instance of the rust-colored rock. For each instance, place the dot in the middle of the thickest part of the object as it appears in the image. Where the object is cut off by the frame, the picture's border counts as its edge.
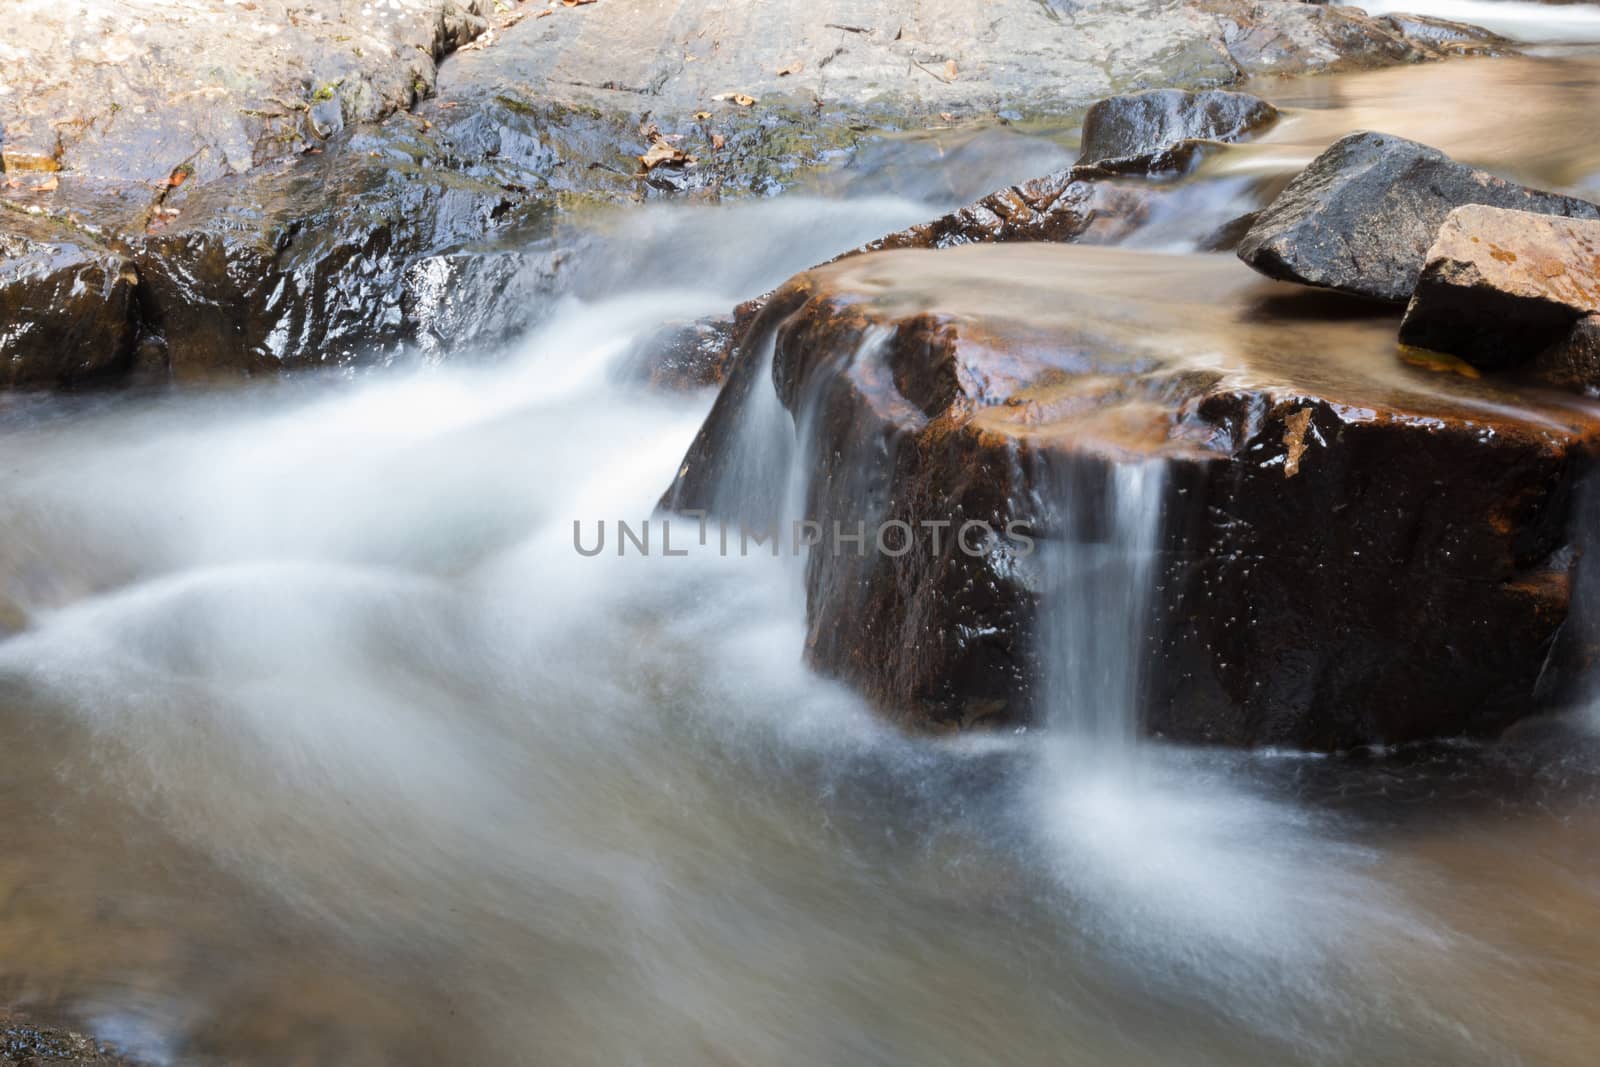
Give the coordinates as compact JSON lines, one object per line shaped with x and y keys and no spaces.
{"x":1500,"y":286}
{"x":1328,"y":575}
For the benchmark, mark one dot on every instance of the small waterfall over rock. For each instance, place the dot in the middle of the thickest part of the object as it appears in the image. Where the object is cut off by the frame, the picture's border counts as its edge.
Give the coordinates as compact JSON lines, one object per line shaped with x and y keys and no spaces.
{"x":1099,"y":567}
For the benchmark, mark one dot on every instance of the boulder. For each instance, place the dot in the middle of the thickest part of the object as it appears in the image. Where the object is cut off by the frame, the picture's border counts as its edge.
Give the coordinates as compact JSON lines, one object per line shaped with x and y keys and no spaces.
{"x":1573,"y":361}
{"x":1499,"y":286}
{"x":1161,"y":129}
{"x":23,"y":1044}
{"x":333,"y":261}
{"x":66,"y":305}
{"x":1362,"y":216}
{"x":1321,"y":574}
{"x":682,"y":356}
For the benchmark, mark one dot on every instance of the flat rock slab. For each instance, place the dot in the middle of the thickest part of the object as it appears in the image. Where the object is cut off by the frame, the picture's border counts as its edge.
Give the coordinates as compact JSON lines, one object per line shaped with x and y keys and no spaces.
{"x":1362,"y":217}
{"x":1499,"y":286}
{"x":132,"y":90}
{"x":1147,"y":131}
{"x":1353,"y":549}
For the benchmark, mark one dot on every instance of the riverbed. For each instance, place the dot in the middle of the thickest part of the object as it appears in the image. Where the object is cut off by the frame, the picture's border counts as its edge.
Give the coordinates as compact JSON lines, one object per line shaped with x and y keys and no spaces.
{"x":324,"y":746}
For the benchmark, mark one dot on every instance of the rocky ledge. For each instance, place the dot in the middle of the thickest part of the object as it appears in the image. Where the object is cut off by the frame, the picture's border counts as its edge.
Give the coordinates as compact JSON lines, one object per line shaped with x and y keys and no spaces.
{"x":265,"y":186}
{"x":1325,"y":576}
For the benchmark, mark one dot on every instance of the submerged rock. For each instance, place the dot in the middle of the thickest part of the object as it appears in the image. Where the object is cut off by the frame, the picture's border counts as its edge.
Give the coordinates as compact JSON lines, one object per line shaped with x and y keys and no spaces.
{"x":1069,"y":205}
{"x":1499,"y":287}
{"x":66,"y":305}
{"x":1362,"y":216}
{"x":25,"y":1045}
{"x":1159,"y":130}
{"x":1324,"y":575}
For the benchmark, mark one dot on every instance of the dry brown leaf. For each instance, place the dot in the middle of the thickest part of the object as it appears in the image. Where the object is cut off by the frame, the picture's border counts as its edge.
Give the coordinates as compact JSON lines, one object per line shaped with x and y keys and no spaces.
{"x":737,"y":98}
{"x":663,"y":153}
{"x":951,"y":70}
{"x":717,"y":141}
{"x":947,"y":116}
{"x":793,"y":68}
{"x":701,"y":116}
{"x":575,"y":3}
{"x":49,"y":185}
{"x":544,"y":14}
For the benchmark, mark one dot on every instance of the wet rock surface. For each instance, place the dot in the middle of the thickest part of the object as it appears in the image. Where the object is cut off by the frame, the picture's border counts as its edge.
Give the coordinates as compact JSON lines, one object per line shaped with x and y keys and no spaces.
{"x":1157,"y":130}
{"x":1326,"y":577}
{"x":1573,"y":361}
{"x":66,"y":305}
{"x":1499,"y":287}
{"x":1362,"y":217}
{"x":25,"y":1045}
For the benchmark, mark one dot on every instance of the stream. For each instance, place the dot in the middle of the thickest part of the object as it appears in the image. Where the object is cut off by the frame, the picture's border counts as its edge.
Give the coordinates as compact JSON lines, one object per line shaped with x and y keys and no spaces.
{"x":324,"y":746}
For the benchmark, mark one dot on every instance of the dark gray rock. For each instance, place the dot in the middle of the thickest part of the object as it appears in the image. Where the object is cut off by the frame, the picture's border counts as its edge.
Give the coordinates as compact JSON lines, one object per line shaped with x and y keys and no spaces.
{"x":1573,"y":362}
{"x":66,"y":305}
{"x":1362,"y":216}
{"x":1158,"y":130}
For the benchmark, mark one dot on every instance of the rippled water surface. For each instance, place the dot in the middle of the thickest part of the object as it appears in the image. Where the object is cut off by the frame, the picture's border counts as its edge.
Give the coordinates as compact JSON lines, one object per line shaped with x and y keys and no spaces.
{"x":323,"y":746}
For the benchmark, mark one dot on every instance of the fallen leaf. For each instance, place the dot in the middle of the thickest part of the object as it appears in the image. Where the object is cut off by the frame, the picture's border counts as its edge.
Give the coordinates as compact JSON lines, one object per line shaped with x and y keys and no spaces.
{"x":717,"y":141}
{"x":701,"y":116}
{"x":49,"y":185}
{"x":738,"y":98}
{"x":663,"y":153}
{"x":575,"y":3}
{"x":947,"y":116}
{"x":544,"y":14}
{"x":793,"y":68}
{"x":951,"y":70}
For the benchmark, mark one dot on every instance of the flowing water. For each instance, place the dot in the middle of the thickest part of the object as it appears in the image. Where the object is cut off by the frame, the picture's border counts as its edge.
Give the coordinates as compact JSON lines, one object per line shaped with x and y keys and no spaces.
{"x":323,"y":745}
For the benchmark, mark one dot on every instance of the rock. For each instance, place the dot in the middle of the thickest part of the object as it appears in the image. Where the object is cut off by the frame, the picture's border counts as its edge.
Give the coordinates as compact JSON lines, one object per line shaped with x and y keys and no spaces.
{"x":1499,"y":286}
{"x":1159,"y":130}
{"x":682,"y":356}
{"x":336,"y":260}
{"x":129,"y":95}
{"x":1573,"y":362}
{"x":66,"y":305}
{"x":25,"y":1045}
{"x":1362,"y":216}
{"x":1324,"y":575}
{"x":1075,"y":204}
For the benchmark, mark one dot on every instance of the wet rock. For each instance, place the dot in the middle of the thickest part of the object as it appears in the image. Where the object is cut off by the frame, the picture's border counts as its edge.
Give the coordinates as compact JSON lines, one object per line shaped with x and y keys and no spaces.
{"x":681,"y":356}
{"x":25,"y":1045}
{"x":1265,"y":37}
{"x":1324,"y":576}
{"x":337,"y":260}
{"x":1069,"y":205}
{"x":1362,"y":216}
{"x":1160,"y":130}
{"x":1573,"y":362}
{"x":66,"y":305}
{"x":1499,"y":287}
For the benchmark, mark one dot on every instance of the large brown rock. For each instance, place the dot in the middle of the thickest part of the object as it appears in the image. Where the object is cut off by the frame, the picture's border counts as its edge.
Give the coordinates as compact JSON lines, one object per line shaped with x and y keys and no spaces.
{"x":1326,"y":575}
{"x":1499,"y":287}
{"x":1573,"y":362}
{"x":1362,"y":216}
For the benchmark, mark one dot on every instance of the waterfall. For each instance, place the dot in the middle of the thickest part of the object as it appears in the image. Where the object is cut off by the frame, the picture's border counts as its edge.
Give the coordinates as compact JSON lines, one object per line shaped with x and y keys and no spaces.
{"x":1099,"y":566}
